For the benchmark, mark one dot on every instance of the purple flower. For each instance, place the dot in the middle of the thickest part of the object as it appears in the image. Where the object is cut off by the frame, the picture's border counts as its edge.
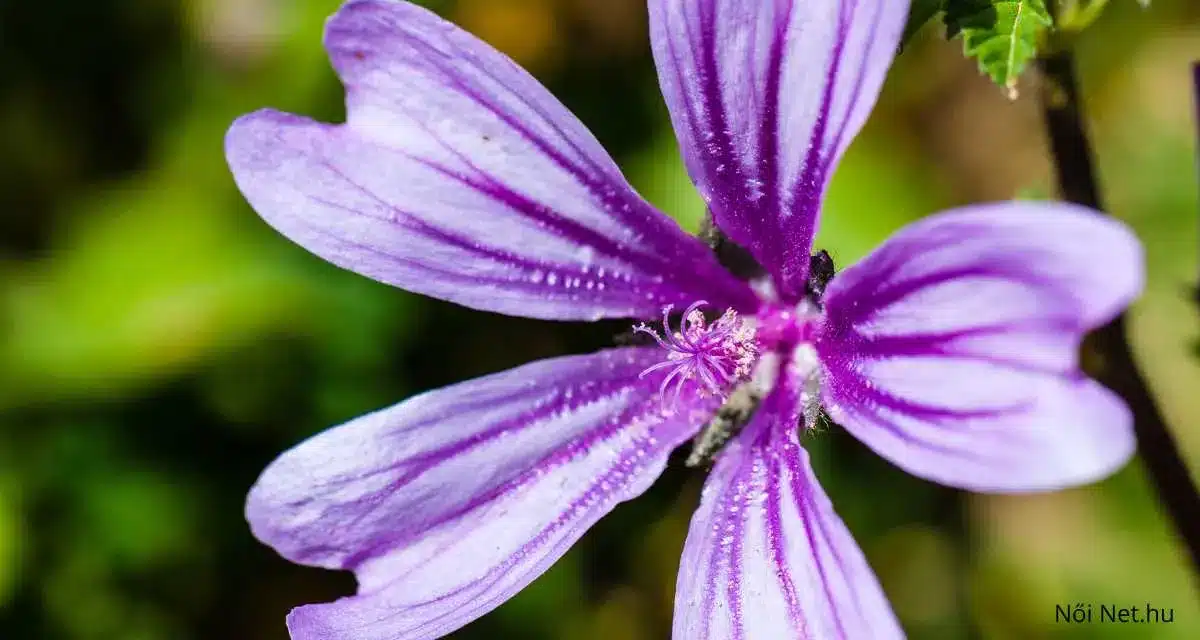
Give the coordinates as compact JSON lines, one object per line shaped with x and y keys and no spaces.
{"x":951,"y":350}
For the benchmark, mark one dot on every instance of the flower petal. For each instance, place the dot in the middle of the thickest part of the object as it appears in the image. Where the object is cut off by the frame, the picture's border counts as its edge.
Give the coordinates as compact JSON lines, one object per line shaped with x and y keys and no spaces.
{"x":952,"y":349}
{"x":765,"y":97}
{"x":447,"y":504}
{"x":458,"y":176}
{"x":767,"y":556}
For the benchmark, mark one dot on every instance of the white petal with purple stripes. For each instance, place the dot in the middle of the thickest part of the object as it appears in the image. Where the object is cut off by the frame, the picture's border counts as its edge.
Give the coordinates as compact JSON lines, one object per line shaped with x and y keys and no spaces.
{"x":952,"y":349}
{"x":765,"y":96}
{"x":767,"y":556}
{"x":458,"y":176}
{"x":447,"y":504}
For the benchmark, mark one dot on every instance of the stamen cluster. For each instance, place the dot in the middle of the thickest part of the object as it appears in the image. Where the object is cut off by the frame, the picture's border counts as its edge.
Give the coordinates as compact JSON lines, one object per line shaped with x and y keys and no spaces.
{"x":717,"y":356}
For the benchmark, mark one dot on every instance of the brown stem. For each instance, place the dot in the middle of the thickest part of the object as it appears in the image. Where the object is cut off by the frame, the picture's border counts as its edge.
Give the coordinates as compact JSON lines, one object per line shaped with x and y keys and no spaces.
{"x":1196,"y":89}
{"x":1077,"y":182}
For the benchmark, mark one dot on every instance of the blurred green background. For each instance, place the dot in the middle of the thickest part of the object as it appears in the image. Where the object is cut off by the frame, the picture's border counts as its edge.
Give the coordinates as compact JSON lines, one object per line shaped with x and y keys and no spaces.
{"x":159,"y":345}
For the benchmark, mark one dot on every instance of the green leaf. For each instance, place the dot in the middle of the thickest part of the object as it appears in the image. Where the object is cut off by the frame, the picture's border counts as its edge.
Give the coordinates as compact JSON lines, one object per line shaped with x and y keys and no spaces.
{"x":1001,"y":35}
{"x":920,"y":12}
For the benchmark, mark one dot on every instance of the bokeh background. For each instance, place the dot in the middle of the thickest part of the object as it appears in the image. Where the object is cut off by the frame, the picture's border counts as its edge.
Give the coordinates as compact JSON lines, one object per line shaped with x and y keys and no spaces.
{"x":159,"y":344}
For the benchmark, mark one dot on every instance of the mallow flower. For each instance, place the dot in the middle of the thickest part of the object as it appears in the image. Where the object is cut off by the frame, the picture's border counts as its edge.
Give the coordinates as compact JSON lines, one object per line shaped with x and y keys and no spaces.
{"x":951,"y":350}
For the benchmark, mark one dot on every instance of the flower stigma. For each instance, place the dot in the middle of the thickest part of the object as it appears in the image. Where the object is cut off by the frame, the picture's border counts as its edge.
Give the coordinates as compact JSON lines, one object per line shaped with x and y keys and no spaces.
{"x":716,"y":356}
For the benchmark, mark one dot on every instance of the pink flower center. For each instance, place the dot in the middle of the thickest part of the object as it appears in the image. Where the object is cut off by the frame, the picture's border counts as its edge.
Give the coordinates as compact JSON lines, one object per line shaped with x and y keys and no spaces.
{"x":717,"y":356}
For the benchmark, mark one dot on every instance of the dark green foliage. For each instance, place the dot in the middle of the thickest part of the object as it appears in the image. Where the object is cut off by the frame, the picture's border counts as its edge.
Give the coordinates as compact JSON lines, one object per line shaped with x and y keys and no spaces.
{"x":919,"y":13}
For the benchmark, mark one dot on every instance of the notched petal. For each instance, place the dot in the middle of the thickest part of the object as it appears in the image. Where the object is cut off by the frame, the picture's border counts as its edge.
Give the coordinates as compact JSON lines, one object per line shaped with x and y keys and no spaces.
{"x":952,"y":350}
{"x":447,"y":504}
{"x":766,"y":555}
{"x":765,"y":97}
{"x":459,"y":176}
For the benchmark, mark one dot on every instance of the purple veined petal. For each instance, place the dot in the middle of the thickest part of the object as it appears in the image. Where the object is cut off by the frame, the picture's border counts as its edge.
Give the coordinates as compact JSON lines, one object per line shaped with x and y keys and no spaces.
{"x":765,"y":96}
{"x":447,"y":504}
{"x":766,"y":555}
{"x":952,"y":349}
{"x":458,"y":176}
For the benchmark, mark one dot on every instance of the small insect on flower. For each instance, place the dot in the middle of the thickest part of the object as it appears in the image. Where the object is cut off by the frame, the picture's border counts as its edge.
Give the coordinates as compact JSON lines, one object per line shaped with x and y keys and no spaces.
{"x":950,"y":350}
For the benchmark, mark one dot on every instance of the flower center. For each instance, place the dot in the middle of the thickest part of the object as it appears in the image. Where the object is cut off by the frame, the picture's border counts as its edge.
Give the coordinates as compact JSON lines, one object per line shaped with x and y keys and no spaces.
{"x":740,"y":360}
{"x":716,"y":356}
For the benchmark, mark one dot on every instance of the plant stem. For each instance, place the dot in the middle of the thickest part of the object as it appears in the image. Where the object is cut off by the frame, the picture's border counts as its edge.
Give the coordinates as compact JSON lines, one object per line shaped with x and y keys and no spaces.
{"x":1077,"y":181}
{"x":1196,"y":90}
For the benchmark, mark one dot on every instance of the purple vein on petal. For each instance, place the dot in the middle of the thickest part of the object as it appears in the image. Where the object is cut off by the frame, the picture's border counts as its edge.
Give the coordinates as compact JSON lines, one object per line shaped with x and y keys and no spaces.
{"x":589,"y":500}
{"x":809,"y":187}
{"x":881,"y":297}
{"x":871,"y":397}
{"x":429,"y":230}
{"x":859,"y":81}
{"x":624,"y":465}
{"x":443,"y":129}
{"x":426,"y":461}
{"x":567,"y":228}
{"x":556,"y":458}
{"x":777,"y":543}
{"x":610,"y":200}
{"x":854,"y":395}
{"x":719,"y":144}
{"x":509,"y":197}
{"x":453,"y":79}
{"x":764,"y":97}
{"x":769,"y":131}
{"x":808,"y":516}
{"x":766,"y":556}
{"x":722,"y":526}
{"x":443,"y":274}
